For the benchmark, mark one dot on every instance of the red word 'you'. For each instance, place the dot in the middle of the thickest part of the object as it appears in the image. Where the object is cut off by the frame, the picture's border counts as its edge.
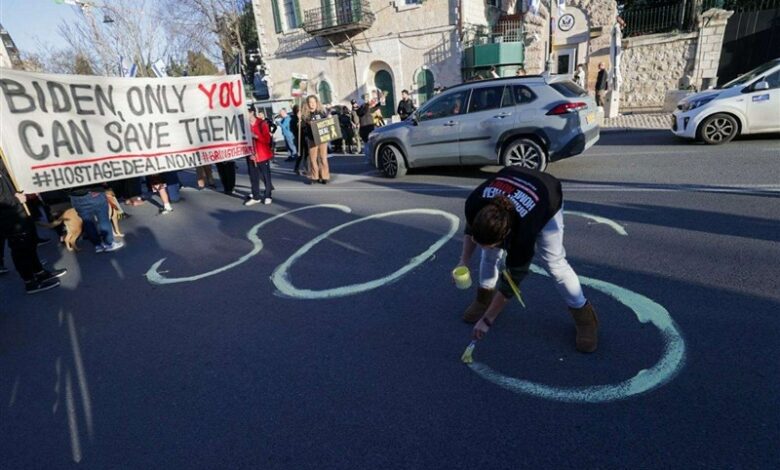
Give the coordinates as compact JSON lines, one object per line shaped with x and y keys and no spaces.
{"x":227,"y":94}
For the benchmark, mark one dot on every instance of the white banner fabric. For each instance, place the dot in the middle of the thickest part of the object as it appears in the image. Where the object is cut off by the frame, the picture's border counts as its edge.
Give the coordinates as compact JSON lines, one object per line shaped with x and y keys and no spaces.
{"x":62,"y":131}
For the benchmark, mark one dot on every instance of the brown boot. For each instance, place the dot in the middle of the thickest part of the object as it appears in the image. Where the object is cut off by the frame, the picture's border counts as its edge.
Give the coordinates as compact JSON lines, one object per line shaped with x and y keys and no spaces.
{"x":587,"y":324}
{"x":478,"y":307}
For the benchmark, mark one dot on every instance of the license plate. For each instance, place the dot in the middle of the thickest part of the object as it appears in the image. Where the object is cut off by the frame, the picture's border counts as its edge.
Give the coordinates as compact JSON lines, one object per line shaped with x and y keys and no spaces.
{"x":590,"y":118}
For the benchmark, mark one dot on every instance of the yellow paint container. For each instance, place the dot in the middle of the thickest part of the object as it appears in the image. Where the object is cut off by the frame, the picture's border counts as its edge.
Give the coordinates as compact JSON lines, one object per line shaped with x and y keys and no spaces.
{"x":462,"y":277}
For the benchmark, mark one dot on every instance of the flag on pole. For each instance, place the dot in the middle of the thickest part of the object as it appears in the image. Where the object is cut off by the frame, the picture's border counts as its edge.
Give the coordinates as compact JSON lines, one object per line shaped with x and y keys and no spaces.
{"x":127,"y":70}
{"x":533,"y":6}
{"x":159,"y":69}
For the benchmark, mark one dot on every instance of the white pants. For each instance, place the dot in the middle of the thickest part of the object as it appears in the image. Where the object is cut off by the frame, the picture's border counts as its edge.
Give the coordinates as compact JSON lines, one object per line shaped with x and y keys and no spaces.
{"x":549,"y":245}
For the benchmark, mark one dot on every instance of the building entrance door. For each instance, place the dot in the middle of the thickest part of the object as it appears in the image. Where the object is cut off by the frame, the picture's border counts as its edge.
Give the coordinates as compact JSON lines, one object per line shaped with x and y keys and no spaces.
{"x":384,"y":82}
{"x":565,"y":61}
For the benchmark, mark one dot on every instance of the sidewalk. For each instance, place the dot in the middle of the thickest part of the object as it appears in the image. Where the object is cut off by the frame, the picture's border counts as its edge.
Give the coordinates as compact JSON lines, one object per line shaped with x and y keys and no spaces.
{"x":626,"y":122}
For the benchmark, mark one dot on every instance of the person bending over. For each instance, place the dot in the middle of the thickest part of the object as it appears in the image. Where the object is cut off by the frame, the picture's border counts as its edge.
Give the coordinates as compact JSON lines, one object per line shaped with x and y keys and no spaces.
{"x":510,"y":217}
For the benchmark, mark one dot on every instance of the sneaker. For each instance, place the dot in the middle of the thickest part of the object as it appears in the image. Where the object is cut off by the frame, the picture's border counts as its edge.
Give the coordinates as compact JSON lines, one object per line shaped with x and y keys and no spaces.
{"x":115,"y":246}
{"x":166,"y":210}
{"x":100,"y":248}
{"x":3,"y":269}
{"x":267,"y":200}
{"x":35,"y":286}
{"x":49,"y":275}
{"x":252,"y":202}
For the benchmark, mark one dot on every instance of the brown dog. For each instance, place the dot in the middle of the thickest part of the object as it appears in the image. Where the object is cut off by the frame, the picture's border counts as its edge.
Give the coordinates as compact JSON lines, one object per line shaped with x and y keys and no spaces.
{"x":74,"y":225}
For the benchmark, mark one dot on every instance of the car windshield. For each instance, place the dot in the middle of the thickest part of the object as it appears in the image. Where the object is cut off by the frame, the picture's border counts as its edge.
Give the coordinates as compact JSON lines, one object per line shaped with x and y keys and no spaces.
{"x":756,"y":72}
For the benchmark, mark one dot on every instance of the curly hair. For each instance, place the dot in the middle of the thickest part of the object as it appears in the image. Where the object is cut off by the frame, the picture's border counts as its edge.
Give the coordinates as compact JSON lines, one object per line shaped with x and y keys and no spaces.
{"x":493,"y":222}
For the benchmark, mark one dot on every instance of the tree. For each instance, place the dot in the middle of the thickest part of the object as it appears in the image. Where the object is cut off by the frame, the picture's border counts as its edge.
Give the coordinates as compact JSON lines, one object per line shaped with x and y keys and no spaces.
{"x":134,"y":31}
{"x":82,"y":66}
{"x":226,"y":24}
{"x":199,"y":64}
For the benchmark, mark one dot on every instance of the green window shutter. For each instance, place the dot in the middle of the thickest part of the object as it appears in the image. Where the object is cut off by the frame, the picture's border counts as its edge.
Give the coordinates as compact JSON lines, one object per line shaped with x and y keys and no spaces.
{"x":298,"y":16}
{"x":326,"y":95}
{"x":424,"y":86}
{"x":277,"y":17}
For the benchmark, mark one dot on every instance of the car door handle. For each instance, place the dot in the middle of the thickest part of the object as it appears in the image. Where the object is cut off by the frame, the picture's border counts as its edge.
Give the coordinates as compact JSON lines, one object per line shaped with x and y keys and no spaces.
{"x":502,"y":115}
{"x":450,"y":123}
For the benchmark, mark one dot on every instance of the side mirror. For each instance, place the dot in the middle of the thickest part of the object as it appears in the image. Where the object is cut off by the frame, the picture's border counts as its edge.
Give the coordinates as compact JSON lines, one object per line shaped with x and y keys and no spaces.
{"x":762,"y":85}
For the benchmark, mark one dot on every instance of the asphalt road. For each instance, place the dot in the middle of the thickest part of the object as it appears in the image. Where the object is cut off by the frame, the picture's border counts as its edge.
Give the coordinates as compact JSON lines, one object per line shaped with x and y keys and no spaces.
{"x":229,"y":369}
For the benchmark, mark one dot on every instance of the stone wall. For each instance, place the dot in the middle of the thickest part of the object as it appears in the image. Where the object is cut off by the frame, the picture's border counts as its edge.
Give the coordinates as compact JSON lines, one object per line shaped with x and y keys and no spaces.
{"x":654,"y":65}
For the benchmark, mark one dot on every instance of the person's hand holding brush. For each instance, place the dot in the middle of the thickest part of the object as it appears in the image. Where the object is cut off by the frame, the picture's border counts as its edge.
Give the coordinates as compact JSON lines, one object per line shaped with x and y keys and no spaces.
{"x":494,"y":309}
{"x":481,"y":328}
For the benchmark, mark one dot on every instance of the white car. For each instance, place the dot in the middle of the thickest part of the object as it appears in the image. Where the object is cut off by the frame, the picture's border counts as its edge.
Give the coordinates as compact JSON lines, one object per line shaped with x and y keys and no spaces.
{"x":749,"y":104}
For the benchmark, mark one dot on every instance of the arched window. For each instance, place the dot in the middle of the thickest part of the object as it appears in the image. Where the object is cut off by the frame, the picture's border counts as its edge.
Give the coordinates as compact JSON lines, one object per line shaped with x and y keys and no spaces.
{"x":424,"y":82}
{"x":325,"y":92}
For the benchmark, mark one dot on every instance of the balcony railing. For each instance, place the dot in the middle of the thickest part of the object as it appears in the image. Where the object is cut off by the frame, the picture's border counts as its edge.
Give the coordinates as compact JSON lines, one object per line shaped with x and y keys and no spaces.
{"x":338,"y":17}
{"x":503,"y":31}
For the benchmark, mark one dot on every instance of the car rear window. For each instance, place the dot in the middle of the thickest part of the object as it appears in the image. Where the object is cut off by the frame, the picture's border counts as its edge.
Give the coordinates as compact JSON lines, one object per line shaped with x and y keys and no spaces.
{"x":568,"y":89}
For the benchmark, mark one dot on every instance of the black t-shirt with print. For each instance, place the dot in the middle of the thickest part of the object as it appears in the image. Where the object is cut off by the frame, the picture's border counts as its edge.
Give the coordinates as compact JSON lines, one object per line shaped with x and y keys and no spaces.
{"x":537,"y":197}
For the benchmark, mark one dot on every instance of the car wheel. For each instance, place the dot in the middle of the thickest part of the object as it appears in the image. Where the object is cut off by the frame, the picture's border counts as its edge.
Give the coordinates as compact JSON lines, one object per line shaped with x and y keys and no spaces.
{"x":718,"y":129}
{"x":391,"y":162}
{"x":525,"y":153}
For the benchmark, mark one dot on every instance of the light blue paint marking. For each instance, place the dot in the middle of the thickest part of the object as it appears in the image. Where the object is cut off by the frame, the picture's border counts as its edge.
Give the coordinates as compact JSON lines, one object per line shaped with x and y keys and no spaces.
{"x":646,"y":311}
{"x":154,"y":276}
{"x":281,"y":276}
{"x":599,"y":220}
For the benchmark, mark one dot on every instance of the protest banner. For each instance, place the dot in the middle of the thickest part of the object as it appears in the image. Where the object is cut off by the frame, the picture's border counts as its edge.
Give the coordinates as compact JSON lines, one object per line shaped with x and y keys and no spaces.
{"x":61,"y":131}
{"x":325,"y":130}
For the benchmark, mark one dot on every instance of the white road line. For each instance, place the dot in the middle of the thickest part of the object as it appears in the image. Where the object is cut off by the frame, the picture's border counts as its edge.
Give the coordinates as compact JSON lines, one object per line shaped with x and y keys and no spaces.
{"x":14,"y":389}
{"x":597,"y":189}
{"x":73,"y":425}
{"x":86,"y":401}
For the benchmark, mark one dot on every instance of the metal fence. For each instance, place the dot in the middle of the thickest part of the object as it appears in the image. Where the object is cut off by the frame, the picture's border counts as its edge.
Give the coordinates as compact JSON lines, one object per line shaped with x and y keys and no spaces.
{"x":503,"y":31}
{"x":682,"y":15}
{"x":338,"y":13}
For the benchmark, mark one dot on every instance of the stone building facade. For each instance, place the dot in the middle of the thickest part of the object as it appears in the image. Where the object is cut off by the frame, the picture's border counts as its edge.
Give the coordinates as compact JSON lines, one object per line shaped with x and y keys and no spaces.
{"x":409,"y":45}
{"x":9,"y":54}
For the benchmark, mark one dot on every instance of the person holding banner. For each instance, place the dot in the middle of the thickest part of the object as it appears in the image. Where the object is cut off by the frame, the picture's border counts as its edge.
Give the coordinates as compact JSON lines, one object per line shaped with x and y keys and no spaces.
{"x":319,"y":171}
{"x":259,"y":163}
{"x":17,"y":227}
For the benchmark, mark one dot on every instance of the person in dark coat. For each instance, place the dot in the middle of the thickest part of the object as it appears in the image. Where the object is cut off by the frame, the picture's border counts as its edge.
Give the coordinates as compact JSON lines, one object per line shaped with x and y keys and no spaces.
{"x":366,"y":112}
{"x":17,"y":227}
{"x":602,"y":84}
{"x":405,"y":106}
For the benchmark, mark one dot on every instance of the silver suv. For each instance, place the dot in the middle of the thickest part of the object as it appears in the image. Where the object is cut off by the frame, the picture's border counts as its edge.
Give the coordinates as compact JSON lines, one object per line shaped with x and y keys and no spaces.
{"x":525,"y":121}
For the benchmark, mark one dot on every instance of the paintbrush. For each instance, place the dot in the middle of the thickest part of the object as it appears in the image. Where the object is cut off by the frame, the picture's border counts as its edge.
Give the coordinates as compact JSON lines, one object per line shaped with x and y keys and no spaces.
{"x":466,"y":357}
{"x":512,"y":284}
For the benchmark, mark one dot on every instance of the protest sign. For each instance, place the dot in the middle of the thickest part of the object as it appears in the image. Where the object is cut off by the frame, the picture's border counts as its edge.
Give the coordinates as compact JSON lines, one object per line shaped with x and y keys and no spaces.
{"x":300,"y":83}
{"x":325,"y":130}
{"x":61,"y":131}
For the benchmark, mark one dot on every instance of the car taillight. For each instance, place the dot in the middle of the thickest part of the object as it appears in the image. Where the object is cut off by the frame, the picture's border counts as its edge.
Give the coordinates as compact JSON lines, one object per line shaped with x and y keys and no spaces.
{"x":566,"y":108}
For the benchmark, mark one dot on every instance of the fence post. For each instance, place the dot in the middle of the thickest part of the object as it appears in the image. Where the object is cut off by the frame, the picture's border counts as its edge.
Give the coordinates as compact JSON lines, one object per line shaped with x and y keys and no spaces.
{"x":683,"y":9}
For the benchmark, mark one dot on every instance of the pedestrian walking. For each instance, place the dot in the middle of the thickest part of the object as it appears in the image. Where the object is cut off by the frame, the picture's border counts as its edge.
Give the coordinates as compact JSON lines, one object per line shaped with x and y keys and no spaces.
{"x":300,"y":146}
{"x":319,"y":171}
{"x":289,"y":137}
{"x":18,"y":228}
{"x":509,"y":217}
{"x":205,"y":177}
{"x":355,"y":118}
{"x":602,"y":84}
{"x":405,"y":106}
{"x":156,"y":184}
{"x":258,"y":164}
{"x":227,"y":175}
